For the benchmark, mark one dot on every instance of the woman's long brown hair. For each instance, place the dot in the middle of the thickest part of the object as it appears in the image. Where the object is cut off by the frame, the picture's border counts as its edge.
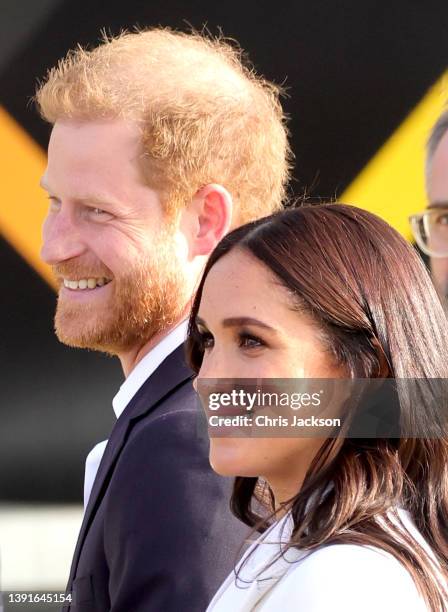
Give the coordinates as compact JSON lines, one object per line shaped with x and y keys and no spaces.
{"x":370,"y":294}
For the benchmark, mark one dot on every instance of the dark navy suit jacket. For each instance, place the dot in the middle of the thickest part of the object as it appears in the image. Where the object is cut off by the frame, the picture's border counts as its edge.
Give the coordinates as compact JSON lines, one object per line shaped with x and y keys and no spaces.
{"x":157,"y":534}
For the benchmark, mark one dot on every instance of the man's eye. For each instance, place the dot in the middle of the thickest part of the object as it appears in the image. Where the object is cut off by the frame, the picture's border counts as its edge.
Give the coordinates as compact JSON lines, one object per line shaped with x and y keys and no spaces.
{"x":442,"y":219}
{"x":99,"y":213}
{"x":248,"y":341}
{"x":55,"y":204}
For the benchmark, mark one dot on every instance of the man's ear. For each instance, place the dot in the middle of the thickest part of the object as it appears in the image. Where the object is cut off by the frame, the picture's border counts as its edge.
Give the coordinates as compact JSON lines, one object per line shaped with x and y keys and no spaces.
{"x":209,"y":217}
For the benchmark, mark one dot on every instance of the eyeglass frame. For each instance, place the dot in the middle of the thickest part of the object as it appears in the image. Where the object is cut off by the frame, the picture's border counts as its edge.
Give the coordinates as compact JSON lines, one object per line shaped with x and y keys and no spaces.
{"x":416,"y":218}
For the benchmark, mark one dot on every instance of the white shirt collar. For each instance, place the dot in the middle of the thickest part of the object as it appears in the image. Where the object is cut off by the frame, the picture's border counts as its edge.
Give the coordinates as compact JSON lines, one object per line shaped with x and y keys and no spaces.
{"x":147,"y":366}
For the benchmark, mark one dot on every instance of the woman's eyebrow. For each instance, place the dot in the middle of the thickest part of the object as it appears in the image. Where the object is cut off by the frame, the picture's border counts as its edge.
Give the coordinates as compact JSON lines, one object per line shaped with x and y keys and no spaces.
{"x":241,"y":321}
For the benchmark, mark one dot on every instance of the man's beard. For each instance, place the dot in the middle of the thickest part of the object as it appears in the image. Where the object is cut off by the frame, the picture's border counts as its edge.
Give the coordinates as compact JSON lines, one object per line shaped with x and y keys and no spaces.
{"x":144,"y":301}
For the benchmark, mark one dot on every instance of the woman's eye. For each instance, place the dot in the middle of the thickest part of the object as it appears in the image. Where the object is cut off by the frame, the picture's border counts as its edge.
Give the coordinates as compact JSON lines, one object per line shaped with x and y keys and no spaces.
{"x":206,"y":340}
{"x":249,"y":341}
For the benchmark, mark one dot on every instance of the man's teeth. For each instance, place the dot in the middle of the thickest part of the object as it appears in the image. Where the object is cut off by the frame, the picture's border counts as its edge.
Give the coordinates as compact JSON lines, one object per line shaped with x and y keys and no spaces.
{"x":85,"y":283}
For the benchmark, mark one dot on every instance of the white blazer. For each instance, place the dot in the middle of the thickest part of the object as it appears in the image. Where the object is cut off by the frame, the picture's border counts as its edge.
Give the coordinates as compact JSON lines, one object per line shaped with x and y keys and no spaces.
{"x":334,"y":578}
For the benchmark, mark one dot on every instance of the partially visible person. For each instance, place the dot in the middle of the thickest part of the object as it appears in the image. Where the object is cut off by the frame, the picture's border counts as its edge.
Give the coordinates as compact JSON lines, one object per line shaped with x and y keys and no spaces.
{"x":430,"y":228}
{"x":353,"y":523}
{"x":161,"y":142}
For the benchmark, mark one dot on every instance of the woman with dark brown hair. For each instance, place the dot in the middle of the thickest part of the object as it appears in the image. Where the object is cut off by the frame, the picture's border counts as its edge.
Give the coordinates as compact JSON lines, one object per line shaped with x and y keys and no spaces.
{"x":347,"y":523}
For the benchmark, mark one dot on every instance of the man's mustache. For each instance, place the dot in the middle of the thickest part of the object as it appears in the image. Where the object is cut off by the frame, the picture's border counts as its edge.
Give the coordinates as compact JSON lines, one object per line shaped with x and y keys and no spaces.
{"x":75,"y":270}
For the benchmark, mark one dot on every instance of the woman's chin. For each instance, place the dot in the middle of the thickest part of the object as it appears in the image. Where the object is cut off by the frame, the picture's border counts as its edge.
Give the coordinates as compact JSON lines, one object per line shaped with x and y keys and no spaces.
{"x":227,"y":459}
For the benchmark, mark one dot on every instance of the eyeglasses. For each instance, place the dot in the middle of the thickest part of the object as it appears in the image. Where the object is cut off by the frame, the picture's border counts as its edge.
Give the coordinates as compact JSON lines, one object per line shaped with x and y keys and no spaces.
{"x":430,"y":230}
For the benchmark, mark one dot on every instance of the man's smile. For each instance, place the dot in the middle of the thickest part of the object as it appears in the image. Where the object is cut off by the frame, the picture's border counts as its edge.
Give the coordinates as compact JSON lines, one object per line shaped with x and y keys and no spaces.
{"x":85,"y":283}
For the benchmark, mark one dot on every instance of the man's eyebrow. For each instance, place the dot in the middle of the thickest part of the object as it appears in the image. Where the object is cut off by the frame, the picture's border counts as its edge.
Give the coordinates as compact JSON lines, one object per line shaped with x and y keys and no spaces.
{"x":438,"y":204}
{"x":96,"y":199}
{"x":238,"y":322}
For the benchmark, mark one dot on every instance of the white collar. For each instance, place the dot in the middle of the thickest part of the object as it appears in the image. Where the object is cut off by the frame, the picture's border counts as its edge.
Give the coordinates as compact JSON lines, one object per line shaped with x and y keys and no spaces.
{"x":262,"y":565}
{"x":147,"y":366}
{"x":268,"y":560}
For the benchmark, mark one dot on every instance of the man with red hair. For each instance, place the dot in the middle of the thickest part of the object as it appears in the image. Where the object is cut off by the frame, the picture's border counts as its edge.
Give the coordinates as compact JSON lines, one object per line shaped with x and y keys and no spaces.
{"x":161,"y":143}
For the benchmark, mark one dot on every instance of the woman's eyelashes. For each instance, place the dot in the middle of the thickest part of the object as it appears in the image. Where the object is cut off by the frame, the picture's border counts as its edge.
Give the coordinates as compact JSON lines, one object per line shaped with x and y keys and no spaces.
{"x":206,"y":339}
{"x":249,"y":341}
{"x":244,"y":340}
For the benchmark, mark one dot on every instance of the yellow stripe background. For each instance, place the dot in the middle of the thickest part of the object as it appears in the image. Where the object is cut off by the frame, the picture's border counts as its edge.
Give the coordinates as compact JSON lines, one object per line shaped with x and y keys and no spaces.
{"x":24,"y":203}
{"x":392,"y":184}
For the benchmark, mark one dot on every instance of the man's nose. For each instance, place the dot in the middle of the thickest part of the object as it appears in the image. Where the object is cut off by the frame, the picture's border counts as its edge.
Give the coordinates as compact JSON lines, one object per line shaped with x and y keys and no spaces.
{"x":62,"y":238}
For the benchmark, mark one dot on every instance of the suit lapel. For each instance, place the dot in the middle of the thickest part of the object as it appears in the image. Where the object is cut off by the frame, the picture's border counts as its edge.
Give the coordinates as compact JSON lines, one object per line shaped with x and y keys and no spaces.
{"x":172,"y":373}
